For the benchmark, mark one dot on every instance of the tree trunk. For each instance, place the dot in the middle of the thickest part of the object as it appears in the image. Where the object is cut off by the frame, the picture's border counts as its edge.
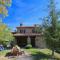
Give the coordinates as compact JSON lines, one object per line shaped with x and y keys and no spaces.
{"x":52,"y":53}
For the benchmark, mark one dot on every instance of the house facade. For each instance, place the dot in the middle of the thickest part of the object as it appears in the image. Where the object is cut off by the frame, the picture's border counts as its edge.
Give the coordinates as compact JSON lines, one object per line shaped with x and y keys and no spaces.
{"x":26,"y":35}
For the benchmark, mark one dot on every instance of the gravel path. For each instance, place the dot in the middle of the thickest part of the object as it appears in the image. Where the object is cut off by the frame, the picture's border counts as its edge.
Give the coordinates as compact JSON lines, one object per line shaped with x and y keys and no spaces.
{"x":3,"y":58}
{"x":30,"y":58}
{"x":24,"y":58}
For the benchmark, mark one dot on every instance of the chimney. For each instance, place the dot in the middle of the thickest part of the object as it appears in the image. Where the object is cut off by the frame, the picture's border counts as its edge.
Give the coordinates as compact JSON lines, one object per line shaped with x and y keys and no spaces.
{"x":21,"y":24}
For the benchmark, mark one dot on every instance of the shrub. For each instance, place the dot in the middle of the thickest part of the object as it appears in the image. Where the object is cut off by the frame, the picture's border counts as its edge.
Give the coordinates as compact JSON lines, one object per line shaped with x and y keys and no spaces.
{"x":28,"y":46}
{"x":58,"y":50}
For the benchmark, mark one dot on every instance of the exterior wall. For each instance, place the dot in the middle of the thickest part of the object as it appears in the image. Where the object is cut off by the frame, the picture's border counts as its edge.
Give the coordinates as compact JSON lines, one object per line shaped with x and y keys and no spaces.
{"x":38,"y":39}
{"x":27,"y":30}
{"x":39,"y":42}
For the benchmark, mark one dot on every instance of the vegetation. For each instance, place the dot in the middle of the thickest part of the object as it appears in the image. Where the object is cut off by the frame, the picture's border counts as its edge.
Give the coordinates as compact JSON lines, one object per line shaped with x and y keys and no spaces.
{"x":38,"y":28}
{"x":3,"y":8}
{"x":52,"y":32}
{"x":42,"y":53}
{"x":29,"y":46}
{"x":5,"y":35}
{"x":4,"y":52}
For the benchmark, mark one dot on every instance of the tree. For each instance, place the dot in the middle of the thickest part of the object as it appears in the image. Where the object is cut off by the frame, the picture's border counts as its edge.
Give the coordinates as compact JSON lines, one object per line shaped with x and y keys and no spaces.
{"x":52,"y":33}
{"x":38,"y":28}
{"x":4,"y":4}
{"x":5,"y":35}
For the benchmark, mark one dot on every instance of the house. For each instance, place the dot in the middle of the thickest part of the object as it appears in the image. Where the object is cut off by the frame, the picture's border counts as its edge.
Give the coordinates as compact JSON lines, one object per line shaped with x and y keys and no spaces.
{"x":27,"y":35}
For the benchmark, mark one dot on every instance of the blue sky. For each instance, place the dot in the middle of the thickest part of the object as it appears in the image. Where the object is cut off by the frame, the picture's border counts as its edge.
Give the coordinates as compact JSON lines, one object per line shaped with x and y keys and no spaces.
{"x":27,"y":12}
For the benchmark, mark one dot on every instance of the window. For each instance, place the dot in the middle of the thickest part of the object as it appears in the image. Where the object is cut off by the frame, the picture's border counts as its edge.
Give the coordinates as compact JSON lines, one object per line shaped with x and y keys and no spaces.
{"x":22,"y":31}
{"x":33,"y":31}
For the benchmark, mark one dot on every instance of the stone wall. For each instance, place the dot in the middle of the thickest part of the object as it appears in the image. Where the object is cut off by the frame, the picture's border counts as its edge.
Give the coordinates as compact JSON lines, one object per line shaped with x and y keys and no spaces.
{"x":39,"y":42}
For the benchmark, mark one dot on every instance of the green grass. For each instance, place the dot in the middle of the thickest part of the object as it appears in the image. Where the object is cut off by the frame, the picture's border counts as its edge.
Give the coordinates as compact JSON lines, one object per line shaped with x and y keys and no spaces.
{"x":3,"y":53}
{"x":34,"y":51}
{"x":44,"y":53}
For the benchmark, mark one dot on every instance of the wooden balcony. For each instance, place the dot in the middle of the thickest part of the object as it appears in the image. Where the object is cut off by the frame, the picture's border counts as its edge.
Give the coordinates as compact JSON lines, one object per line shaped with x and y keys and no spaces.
{"x":27,"y":34}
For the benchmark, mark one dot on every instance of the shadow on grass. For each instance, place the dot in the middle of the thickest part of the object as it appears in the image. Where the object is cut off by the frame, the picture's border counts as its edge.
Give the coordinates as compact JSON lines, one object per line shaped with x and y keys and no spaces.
{"x":9,"y":54}
{"x":41,"y":56}
{"x":36,"y":56}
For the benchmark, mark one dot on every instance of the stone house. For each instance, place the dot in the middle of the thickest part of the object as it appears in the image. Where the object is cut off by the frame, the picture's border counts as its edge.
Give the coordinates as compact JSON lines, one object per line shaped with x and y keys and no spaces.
{"x":27,"y":35}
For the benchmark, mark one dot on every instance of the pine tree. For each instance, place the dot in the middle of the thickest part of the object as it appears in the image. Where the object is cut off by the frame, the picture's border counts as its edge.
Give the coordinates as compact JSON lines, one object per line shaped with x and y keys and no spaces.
{"x":51,"y":31}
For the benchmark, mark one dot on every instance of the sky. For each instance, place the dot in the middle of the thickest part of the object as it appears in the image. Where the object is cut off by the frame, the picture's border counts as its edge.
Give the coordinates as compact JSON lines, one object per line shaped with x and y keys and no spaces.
{"x":27,"y":12}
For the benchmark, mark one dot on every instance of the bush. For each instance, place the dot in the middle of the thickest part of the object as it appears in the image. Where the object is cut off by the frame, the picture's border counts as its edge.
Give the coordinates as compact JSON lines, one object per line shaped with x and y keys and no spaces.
{"x":58,"y":50}
{"x":28,"y":46}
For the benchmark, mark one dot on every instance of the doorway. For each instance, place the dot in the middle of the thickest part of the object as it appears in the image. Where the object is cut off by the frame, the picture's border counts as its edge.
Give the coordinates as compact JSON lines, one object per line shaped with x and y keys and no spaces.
{"x":21,"y":41}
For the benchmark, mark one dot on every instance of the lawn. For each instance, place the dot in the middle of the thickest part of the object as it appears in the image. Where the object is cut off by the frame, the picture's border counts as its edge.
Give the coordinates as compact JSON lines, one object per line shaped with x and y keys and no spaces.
{"x":43,"y":53}
{"x":3,"y":53}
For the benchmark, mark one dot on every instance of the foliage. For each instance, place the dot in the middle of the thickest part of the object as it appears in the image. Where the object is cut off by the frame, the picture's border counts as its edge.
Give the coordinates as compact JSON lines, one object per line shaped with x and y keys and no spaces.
{"x":28,"y":46}
{"x":13,"y":43}
{"x":4,"y":4}
{"x":52,"y":32}
{"x":38,"y":28}
{"x":5,"y":34}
